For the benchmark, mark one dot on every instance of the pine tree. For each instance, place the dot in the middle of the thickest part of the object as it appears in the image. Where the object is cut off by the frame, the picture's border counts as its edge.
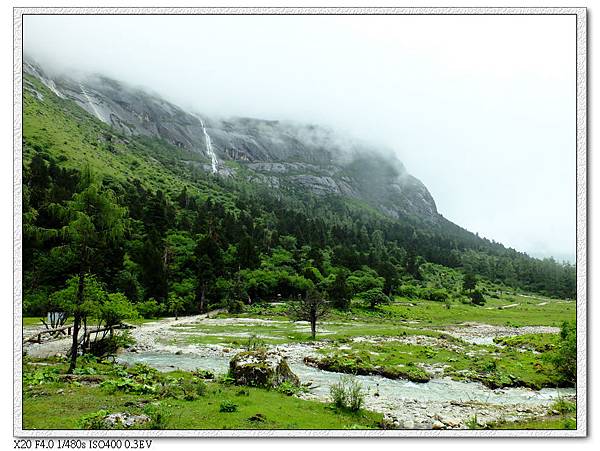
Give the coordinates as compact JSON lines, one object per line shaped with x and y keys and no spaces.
{"x":95,"y":221}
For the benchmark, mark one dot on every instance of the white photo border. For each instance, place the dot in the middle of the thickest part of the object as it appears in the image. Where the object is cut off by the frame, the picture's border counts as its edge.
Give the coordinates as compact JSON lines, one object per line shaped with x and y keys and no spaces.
{"x":581,"y":212}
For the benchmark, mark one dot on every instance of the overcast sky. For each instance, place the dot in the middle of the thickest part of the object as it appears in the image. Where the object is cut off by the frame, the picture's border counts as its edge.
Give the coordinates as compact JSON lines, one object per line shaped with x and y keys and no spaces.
{"x":480,"y":108}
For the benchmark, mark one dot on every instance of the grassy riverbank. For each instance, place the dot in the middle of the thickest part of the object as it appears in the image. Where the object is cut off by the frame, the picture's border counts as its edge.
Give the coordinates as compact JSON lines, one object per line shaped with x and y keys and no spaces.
{"x":174,"y":400}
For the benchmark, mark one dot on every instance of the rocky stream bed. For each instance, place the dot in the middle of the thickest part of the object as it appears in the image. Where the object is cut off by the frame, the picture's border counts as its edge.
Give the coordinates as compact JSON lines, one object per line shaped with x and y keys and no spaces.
{"x":441,"y":403}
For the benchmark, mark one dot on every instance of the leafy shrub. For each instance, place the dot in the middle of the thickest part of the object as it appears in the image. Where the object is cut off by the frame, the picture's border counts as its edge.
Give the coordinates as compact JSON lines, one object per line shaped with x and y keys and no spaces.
{"x":347,"y":394}
{"x":287,"y":388}
{"x":116,"y":308}
{"x":192,"y":389}
{"x":203,"y":374}
{"x":364,"y":280}
{"x":111,"y":344}
{"x":228,"y":406}
{"x":563,"y":406}
{"x":175,"y":304}
{"x":168,"y":390}
{"x":489,"y":366}
{"x":43,"y":376}
{"x":226,"y":379}
{"x":437,"y":295}
{"x":235,"y":306}
{"x":87,"y":359}
{"x":565,"y":356}
{"x":158,"y":416}
{"x":477,"y":297}
{"x":143,"y":372}
{"x":85,"y":370}
{"x":128,"y":386}
{"x":374,"y":296}
{"x":93,"y":420}
{"x":149,"y":309}
{"x":409,"y":291}
{"x":254,"y":343}
{"x":570,"y":423}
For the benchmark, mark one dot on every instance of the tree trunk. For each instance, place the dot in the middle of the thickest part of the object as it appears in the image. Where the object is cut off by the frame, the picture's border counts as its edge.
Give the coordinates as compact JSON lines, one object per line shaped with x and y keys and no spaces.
{"x":202,"y":300}
{"x":74,"y":344}
{"x":313,"y":323}
{"x":76,"y":323}
{"x":86,"y":337}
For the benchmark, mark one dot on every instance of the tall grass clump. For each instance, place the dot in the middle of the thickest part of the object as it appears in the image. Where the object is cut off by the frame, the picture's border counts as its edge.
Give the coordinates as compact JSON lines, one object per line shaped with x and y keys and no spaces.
{"x":347,"y":394}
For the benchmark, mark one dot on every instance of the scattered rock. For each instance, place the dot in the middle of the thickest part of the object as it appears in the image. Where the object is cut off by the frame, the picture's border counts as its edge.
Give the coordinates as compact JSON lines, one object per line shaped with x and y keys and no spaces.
{"x":125,"y":419}
{"x":259,"y":417}
{"x":437,"y":425}
{"x":451,"y":422}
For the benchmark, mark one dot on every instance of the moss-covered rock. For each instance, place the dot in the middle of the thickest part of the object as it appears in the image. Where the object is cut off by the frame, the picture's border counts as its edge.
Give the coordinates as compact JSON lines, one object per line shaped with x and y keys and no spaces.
{"x":261,"y":369}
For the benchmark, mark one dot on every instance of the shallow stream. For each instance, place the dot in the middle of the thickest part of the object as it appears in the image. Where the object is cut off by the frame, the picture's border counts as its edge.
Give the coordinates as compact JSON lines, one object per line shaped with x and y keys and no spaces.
{"x":417,"y":404}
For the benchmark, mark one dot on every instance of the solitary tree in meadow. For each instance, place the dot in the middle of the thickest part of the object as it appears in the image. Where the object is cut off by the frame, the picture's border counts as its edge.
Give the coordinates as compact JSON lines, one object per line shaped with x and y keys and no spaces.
{"x":311,"y":307}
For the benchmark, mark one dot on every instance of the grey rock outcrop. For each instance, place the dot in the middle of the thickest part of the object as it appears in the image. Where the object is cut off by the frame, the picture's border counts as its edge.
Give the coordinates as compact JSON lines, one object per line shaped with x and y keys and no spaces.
{"x":261,"y":369}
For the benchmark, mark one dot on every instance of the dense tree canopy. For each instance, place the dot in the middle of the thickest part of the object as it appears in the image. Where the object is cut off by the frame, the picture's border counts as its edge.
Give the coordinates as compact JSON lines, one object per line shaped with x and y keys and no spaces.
{"x":270,"y":247}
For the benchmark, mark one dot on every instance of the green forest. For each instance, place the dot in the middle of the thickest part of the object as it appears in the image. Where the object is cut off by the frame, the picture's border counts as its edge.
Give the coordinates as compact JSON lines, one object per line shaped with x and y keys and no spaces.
{"x":137,"y":217}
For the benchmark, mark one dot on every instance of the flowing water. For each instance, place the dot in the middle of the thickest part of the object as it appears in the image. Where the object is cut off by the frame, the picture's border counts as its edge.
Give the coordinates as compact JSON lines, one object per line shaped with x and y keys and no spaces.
{"x":406,"y":404}
{"x":209,"y":147}
{"x":91,"y":103}
{"x":411,"y":402}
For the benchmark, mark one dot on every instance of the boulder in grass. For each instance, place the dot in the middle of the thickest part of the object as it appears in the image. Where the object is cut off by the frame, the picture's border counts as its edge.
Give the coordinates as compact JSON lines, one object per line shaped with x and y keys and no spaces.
{"x":261,"y":369}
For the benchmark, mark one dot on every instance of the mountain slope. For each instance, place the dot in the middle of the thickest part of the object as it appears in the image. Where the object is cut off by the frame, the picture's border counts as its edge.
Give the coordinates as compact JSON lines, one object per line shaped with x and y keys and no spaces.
{"x":273,"y":238}
{"x":276,"y":154}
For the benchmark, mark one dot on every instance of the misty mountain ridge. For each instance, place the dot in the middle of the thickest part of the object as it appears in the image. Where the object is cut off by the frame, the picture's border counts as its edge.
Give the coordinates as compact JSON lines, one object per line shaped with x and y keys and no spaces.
{"x":278,"y":154}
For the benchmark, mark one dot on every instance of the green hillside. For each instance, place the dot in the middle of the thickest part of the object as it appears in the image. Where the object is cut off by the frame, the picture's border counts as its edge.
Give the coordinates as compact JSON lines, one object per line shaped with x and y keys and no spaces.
{"x":194,"y":240}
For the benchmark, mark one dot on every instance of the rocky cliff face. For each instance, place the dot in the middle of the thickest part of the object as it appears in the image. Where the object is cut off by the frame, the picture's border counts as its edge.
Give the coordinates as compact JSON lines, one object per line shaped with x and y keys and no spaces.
{"x":278,"y":154}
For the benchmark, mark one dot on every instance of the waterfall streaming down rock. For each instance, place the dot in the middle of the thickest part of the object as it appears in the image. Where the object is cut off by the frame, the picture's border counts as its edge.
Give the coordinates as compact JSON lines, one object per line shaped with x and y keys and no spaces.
{"x":91,"y":103}
{"x":209,"y":148}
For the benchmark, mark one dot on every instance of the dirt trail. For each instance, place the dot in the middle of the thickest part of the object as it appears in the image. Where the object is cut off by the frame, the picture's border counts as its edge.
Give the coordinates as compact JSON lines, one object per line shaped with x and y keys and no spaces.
{"x":146,"y":335}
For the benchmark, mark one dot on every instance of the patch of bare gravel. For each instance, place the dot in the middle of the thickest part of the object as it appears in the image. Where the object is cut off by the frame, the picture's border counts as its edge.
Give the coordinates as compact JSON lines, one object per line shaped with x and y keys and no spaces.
{"x":478,"y":333}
